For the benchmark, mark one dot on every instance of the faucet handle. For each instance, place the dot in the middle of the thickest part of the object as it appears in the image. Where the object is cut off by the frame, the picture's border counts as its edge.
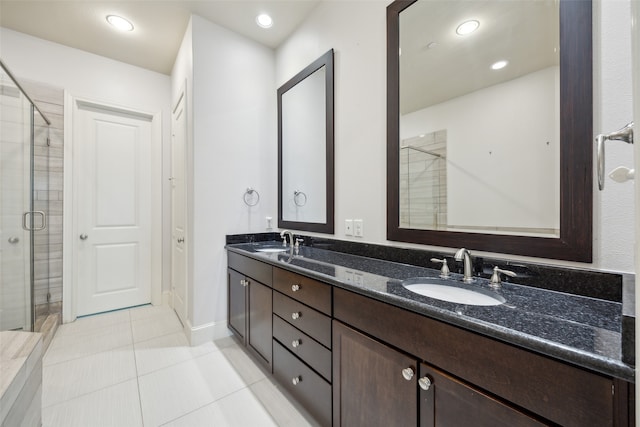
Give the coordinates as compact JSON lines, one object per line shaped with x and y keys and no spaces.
{"x":444,"y":272}
{"x":495,"y":277}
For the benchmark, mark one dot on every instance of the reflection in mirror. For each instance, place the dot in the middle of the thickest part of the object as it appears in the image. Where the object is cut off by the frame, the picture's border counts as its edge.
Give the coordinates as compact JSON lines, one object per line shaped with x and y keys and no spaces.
{"x":498,"y":129}
{"x":305,"y":148}
{"x":483,"y":155}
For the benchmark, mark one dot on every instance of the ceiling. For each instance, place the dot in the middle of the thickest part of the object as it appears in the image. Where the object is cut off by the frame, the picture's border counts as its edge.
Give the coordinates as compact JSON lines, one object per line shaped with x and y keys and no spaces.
{"x":159,"y":24}
{"x":437,"y":65}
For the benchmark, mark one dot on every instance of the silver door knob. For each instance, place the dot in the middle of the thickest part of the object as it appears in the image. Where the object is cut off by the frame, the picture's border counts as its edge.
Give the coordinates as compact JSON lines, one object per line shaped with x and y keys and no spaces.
{"x":295,"y":288}
{"x":408,"y":373}
{"x":13,"y":240}
{"x":295,"y":343}
{"x":83,"y":236}
{"x":296,"y":315}
{"x":296,"y":380}
{"x":424,"y":383}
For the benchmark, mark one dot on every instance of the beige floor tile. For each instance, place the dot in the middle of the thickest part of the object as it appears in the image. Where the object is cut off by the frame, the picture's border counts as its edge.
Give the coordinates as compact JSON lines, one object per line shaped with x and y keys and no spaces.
{"x":167,"y":350}
{"x":115,"y":406}
{"x":175,"y":391}
{"x":238,"y":409}
{"x":90,"y":324}
{"x":74,"y":346}
{"x":155,"y":326}
{"x":67,"y":380}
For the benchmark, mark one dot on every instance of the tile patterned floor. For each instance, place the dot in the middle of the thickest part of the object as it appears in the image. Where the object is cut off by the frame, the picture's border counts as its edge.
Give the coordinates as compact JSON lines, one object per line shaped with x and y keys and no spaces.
{"x":134,"y":368}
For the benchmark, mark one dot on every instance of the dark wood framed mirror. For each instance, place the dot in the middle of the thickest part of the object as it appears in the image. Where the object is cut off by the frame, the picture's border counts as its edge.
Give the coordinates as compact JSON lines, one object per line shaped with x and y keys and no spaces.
{"x":306,"y":149}
{"x":570,"y":237}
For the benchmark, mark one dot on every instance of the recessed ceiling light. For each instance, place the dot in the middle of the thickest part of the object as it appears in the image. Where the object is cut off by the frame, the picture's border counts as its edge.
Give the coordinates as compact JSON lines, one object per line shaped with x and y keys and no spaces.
{"x":467,"y":27}
{"x":264,"y":20}
{"x":499,"y":65}
{"x":119,"y":23}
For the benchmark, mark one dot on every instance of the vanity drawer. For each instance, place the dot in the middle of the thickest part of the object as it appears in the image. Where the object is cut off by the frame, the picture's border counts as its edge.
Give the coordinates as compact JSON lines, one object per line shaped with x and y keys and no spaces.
{"x":308,"y":320}
{"x":303,"y":346}
{"x":250,"y":267}
{"x":557,"y":391}
{"x":311,"y":292}
{"x":313,"y":392}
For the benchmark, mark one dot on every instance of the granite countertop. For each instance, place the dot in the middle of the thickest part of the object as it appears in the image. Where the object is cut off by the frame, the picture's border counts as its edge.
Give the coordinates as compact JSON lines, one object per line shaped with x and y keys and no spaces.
{"x":580,"y":330}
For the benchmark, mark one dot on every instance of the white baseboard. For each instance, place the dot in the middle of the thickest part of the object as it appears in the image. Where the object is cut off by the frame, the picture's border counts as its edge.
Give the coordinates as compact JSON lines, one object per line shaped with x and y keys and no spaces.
{"x":167,"y":298}
{"x":208,"y":332}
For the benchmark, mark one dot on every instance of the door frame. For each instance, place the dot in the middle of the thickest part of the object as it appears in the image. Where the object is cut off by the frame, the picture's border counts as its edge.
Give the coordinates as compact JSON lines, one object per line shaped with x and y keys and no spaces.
{"x":182,"y":97}
{"x":70,"y":206}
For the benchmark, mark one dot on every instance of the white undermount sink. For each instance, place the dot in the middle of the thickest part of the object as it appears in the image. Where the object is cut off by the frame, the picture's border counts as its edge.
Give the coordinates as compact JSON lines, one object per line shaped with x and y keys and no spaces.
{"x":448,"y":290}
{"x":272,"y":249}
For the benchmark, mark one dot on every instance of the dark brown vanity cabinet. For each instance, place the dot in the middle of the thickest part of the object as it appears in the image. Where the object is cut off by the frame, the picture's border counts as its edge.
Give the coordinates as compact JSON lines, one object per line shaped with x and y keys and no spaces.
{"x":352,"y":360}
{"x":477,"y":378}
{"x":250,"y":304}
{"x":369,"y":386}
{"x":302,"y":340}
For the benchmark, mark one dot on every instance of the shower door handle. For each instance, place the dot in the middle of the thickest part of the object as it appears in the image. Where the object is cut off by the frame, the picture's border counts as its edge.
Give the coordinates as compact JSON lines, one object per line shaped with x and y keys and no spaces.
{"x":624,"y":134}
{"x":30,"y":226}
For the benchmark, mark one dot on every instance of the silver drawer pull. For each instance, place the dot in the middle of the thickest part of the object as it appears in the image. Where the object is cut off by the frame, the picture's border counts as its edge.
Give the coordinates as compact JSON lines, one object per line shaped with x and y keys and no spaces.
{"x":424,"y":383}
{"x":296,"y":315}
{"x":408,"y":373}
{"x":296,"y":343}
{"x":244,"y":282}
{"x":295,"y":288}
{"x":296,"y":380}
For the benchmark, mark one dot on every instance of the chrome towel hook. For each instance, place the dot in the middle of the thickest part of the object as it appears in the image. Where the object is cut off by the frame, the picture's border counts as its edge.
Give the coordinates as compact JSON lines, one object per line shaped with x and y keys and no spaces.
{"x":624,"y":134}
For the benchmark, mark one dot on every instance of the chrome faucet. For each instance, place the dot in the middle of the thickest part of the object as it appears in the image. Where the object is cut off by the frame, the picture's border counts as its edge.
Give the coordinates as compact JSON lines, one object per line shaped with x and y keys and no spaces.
{"x":464,"y":255}
{"x":283,"y":233}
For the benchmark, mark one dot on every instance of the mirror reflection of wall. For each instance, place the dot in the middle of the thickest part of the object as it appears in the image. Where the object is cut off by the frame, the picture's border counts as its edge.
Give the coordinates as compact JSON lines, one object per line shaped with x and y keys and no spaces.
{"x":303,"y":150}
{"x":503,"y":125}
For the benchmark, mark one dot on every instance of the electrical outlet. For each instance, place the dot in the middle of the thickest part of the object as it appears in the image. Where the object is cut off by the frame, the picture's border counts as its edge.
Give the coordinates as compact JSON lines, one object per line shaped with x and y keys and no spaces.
{"x":348,"y":227}
{"x":358,"y":228}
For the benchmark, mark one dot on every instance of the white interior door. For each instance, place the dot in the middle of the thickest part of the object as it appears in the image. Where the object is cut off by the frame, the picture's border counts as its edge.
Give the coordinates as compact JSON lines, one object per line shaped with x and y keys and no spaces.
{"x":178,"y":210}
{"x":112,"y":189}
{"x":15,"y":199}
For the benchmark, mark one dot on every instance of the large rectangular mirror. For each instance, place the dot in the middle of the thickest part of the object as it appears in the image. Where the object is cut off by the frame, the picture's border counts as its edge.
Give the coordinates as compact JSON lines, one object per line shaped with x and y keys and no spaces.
{"x":489,"y":131}
{"x":305,"y":149}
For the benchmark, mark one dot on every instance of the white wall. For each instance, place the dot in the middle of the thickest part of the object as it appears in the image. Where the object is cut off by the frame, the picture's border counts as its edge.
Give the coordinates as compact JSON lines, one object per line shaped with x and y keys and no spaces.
{"x":233,"y":147}
{"x":357,"y":32}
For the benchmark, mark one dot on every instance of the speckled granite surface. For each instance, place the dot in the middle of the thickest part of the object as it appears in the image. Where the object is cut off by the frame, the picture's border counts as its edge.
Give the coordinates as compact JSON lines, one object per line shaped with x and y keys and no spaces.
{"x":581,"y":330}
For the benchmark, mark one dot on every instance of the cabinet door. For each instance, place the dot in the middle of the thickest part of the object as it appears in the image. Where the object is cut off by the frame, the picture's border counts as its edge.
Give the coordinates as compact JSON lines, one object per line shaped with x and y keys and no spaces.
{"x":448,"y":402}
{"x":260,"y":313}
{"x":369,"y":388}
{"x":237,"y":309}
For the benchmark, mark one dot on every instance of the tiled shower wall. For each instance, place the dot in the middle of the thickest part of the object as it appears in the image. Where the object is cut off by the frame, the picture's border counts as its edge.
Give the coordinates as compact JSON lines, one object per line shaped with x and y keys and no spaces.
{"x":48,"y":196}
{"x":423,"y":181}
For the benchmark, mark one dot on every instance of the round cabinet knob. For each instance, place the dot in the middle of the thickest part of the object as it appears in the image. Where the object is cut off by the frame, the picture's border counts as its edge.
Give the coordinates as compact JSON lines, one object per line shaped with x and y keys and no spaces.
{"x":424,"y":383}
{"x":408,"y":373}
{"x":296,"y":315}
{"x":83,"y":236}
{"x":13,"y":240}
{"x":296,"y":343}
{"x":296,"y":380}
{"x":295,"y":288}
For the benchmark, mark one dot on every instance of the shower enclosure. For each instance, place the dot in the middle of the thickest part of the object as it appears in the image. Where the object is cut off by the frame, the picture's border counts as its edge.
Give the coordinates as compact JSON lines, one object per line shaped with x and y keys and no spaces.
{"x":24,"y":234}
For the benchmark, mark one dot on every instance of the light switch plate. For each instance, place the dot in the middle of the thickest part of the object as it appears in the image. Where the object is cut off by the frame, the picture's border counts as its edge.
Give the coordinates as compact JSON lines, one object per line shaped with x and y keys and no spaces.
{"x":348,"y":227}
{"x":358,"y":228}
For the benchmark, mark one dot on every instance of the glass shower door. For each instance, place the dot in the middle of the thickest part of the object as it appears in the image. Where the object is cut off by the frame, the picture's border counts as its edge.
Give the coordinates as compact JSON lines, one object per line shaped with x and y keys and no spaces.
{"x":16,"y":178}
